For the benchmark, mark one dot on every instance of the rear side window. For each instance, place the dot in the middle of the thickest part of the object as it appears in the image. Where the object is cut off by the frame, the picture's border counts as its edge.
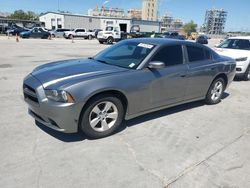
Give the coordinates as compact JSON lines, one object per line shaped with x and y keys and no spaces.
{"x":80,"y":30}
{"x":170,"y":55}
{"x":195,"y":53}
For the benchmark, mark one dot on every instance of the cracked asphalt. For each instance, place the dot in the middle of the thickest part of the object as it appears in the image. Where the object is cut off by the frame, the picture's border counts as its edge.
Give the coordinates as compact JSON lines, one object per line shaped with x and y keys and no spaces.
{"x":189,"y":146}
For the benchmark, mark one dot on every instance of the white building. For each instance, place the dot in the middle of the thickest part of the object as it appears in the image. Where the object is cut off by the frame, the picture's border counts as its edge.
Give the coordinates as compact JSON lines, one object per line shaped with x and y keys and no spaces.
{"x":54,"y":20}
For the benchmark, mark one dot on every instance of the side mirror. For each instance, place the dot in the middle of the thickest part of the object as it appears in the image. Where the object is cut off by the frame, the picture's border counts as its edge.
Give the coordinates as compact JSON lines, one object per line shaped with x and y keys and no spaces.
{"x":156,"y":65}
{"x":216,"y":45}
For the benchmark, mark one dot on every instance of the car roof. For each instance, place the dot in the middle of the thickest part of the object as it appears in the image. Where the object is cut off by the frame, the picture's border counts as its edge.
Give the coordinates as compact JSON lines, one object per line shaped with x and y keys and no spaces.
{"x":164,"y":41}
{"x":240,"y":37}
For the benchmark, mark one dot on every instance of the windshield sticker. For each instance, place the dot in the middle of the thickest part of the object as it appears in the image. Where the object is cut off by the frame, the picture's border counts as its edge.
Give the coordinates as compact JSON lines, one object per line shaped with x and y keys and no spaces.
{"x":131,"y":65}
{"x":149,"y":46}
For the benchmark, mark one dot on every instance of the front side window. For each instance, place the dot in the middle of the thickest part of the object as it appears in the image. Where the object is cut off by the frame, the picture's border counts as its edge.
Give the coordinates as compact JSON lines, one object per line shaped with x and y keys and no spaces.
{"x":195,"y":53}
{"x":170,"y":55}
{"x":109,"y":28}
{"x":240,"y":44}
{"x":125,"y":54}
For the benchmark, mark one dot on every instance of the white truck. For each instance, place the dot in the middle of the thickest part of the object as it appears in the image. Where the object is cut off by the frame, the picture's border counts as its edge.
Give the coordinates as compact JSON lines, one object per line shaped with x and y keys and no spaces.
{"x":109,"y":35}
{"x":79,"y":32}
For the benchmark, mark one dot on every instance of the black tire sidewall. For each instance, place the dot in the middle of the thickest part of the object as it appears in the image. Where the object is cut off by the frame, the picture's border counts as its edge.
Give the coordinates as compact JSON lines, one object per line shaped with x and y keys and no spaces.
{"x":110,"y":40}
{"x":246,"y":73}
{"x":85,"y":126}
{"x":209,"y":95}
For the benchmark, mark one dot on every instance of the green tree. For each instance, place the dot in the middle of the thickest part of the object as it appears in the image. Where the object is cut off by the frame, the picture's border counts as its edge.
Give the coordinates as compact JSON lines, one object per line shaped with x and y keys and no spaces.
{"x":190,"y":27}
{"x":22,"y":15}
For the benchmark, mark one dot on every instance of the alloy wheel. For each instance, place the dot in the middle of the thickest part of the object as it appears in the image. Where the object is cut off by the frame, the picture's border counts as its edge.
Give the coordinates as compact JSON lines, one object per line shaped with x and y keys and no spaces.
{"x":103,"y":116}
{"x":216,"y":92}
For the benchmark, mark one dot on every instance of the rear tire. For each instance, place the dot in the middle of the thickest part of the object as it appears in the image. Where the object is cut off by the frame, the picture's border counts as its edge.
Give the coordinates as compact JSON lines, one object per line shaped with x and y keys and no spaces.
{"x":102,"y":116}
{"x":110,"y":40}
{"x":215,"y":91}
{"x":246,"y":76}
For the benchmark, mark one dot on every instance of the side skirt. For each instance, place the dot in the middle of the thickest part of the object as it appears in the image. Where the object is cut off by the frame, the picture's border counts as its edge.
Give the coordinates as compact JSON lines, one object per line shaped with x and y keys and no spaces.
{"x":131,"y":116}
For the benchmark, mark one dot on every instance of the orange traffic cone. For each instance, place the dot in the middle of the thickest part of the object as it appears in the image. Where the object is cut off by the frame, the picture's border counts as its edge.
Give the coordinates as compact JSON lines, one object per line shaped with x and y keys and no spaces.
{"x":17,"y":39}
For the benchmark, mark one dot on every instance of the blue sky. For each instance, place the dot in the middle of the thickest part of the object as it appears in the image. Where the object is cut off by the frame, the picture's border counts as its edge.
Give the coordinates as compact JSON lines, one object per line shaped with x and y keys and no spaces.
{"x":238,"y":10}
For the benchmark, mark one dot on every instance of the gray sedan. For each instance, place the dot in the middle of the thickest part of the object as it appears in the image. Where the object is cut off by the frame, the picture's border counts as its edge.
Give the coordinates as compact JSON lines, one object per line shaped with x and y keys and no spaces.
{"x":130,"y":78}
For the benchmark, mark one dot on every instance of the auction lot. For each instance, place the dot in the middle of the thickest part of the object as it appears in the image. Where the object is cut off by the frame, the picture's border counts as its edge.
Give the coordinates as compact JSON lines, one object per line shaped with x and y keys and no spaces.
{"x":189,"y":146}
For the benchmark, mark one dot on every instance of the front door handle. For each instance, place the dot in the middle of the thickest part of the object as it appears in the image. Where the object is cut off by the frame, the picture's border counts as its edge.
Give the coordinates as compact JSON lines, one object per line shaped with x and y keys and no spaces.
{"x":183,"y":75}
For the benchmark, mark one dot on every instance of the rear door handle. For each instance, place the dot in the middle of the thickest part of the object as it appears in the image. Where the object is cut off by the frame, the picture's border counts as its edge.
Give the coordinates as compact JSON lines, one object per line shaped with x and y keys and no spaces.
{"x":183,"y":75}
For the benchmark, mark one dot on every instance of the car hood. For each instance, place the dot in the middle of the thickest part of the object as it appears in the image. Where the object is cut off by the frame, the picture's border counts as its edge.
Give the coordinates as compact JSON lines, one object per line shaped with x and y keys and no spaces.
{"x":233,"y":53}
{"x":64,"y":72}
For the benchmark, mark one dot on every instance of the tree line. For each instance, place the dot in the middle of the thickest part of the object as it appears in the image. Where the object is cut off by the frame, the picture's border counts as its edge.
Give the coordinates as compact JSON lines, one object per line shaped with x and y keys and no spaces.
{"x":22,"y":15}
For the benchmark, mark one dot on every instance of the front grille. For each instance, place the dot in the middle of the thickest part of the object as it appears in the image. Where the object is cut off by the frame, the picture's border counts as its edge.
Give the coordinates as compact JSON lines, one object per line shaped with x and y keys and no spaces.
{"x":29,"y":93}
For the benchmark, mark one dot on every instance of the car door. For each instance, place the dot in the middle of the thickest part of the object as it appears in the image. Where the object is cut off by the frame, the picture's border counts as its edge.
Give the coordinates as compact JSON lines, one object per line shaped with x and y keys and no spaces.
{"x":201,"y":71}
{"x":34,"y":33}
{"x":80,"y":32}
{"x":169,"y":83}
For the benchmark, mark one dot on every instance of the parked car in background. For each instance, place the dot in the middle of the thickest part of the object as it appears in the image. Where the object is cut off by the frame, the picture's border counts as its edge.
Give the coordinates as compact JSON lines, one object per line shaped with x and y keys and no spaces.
{"x":16,"y":31}
{"x":36,"y":32}
{"x":173,"y":35}
{"x":237,"y":48}
{"x":202,"y":39}
{"x":58,"y":33}
{"x":110,"y":35}
{"x":131,"y":78}
{"x":79,"y":33}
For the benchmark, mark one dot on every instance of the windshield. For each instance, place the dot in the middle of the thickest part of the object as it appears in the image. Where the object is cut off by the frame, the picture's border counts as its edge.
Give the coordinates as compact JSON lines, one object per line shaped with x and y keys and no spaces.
{"x":239,"y":44}
{"x":125,"y":54}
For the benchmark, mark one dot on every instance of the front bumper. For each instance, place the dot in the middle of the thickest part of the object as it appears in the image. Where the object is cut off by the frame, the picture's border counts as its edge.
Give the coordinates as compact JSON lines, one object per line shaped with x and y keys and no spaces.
{"x":102,"y":39}
{"x":241,"y":67}
{"x":63,"y":117}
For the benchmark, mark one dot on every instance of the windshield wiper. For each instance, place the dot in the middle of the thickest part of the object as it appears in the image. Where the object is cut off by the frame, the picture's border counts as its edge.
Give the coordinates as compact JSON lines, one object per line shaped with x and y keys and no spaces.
{"x":101,"y":61}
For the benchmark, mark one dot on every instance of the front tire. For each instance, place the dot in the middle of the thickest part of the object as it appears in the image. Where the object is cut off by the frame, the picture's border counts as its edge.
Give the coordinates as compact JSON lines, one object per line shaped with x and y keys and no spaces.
{"x":102,"y":116}
{"x":246,"y":76}
{"x":215,"y":91}
{"x":110,"y":40}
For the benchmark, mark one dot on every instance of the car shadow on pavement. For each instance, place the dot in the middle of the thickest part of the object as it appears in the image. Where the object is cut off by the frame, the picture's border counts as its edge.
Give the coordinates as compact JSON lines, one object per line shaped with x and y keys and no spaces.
{"x":65,"y":137}
{"x":238,"y":79}
{"x":167,"y":111}
{"x":77,"y":137}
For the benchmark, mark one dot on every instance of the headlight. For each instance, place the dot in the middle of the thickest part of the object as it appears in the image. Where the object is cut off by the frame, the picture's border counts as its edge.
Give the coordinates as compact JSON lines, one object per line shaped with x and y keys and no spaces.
{"x":241,"y":59}
{"x":59,"y":96}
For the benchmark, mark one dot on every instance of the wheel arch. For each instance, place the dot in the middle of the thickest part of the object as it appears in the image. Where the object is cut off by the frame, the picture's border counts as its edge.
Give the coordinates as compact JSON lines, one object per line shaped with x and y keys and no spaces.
{"x":114,"y":92}
{"x":224,"y":77}
{"x":220,"y":75}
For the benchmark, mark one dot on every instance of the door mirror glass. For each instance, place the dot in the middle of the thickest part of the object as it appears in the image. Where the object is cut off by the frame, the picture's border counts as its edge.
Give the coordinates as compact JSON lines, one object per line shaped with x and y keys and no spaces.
{"x":156,"y":65}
